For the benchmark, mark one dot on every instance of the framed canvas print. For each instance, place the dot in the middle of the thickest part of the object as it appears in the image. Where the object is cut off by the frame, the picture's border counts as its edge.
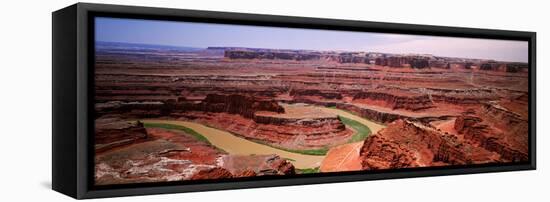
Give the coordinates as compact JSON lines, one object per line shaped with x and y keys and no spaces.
{"x":153,"y":100}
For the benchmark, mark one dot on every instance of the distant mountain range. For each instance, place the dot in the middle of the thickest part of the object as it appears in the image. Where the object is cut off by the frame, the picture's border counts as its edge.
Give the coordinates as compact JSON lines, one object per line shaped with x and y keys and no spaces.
{"x":102,"y":45}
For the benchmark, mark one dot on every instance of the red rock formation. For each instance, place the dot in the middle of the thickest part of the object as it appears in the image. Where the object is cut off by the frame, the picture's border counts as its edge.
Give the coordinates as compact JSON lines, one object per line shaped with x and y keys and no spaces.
{"x":167,"y":156}
{"x":198,"y":152}
{"x":439,"y":64}
{"x":171,"y":155}
{"x":510,"y":143}
{"x":257,"y":165}
{"x":517,"y":67}
{"x":114,"y":132}
{"x":271,"y":55}
{"x":352,"y":58}
{"x":395,"y":100}
{"x":397,"y":61}
{"x":379,"y":153}
{"x":493,"y":66}
{"x":212,"y":174}
{"x":238,"y":104}
{"x":419,"y":63}
{"x":145,"y":109}
{"x":311,"y":133}
{"x":406,"y":144}
{"x":315,"y":92}
{"x":381,"y":62}
{"x":378,"y":116}
{"x":460,"y":65}
{"x":246,"y":173}
{"x":458,"y":99}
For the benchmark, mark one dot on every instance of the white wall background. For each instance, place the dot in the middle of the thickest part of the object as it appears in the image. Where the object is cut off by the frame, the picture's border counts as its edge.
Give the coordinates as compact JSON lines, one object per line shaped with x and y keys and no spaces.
{"x":25,"y":102}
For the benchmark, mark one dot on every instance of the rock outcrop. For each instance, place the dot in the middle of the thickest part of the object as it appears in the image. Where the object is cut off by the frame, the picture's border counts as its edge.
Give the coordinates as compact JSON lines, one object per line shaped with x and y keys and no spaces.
{"x":407,"y":144}
{"x":378,"y":116}
{"x":243,"y":105}
{"x":417,"y":62}
{"x":171,"y":155}
{"x":509,"y":143}
{"x":168,"y":155}
{"x":379,"y":153}
{"x":325,"y":94}
{"x":459,"y":99}
{"x":259,"y":165}
{"x":211,"y":174}
{"x":290,"y":133}
{"x":395,"y":100}
{"x":271,"y":55}
{"x":114,"y":132}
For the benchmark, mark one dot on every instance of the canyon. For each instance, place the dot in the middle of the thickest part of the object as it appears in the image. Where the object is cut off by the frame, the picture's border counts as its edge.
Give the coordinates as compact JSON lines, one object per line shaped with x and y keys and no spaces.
{"x":172,"y":115}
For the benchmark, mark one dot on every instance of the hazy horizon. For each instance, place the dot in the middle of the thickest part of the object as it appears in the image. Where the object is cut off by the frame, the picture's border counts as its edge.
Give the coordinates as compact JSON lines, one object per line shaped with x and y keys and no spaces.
{"x":203,"y":35}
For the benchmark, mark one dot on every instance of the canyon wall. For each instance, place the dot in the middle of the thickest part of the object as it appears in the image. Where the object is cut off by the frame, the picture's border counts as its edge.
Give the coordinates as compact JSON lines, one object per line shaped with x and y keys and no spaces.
{"x":245,"y":54}
{"x":396,"y":100}
{"x":378,"y":116}
{"x":112,"y":132}
{"x":406,"y":144}
{"x":243,"y":105}
{"x":510,"y":143}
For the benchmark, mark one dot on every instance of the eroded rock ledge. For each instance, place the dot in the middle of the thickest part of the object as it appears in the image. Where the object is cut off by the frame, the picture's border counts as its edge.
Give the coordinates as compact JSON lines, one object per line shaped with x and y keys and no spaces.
{"x":175,"y":155}
{"x":406,"y":144}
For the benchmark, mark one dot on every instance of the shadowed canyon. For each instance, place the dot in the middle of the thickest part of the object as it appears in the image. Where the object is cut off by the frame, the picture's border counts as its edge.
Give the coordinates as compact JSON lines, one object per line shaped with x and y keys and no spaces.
{"x":172,"y":114}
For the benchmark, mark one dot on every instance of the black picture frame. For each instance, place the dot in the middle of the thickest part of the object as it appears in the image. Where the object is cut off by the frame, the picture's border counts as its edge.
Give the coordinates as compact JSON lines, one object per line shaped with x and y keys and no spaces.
{"x":72,"y":98}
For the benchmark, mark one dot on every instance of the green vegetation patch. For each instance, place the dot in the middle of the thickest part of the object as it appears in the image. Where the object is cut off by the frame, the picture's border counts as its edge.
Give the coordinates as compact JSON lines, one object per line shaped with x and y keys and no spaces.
{"x":361,"y":131}
{"x":289,"y":159}
{"x":187,"y":130}
{"x":314,"y":152}
{"x":307,"y":170}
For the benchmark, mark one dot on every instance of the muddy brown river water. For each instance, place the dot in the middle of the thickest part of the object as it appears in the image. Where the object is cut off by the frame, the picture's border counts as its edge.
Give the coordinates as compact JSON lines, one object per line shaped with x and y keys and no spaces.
{"x":237,"y":145}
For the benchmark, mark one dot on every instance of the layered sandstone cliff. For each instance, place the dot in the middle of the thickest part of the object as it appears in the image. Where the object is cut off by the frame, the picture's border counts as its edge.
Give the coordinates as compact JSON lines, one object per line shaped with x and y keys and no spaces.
{"x":509,"y":140}
{"x":112,"y":132}
{"x":271,"y":55}
{"x":375,"y":115}
{"x":243,"y":105}
{"x":395,"y":100}
{"x":406,"y":144}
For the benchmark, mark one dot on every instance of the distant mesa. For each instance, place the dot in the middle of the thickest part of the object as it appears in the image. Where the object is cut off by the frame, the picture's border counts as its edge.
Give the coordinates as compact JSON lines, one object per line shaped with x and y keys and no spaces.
{"x":418,"y":61}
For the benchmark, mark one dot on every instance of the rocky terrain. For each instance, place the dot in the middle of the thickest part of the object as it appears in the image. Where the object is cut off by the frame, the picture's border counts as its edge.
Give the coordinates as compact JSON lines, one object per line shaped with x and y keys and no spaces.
{"x":408,"y":144}
{"x":300,"y":127}
{"x":437,"y":111}
{"x":172,"y":155}
{"x":112,"y":132}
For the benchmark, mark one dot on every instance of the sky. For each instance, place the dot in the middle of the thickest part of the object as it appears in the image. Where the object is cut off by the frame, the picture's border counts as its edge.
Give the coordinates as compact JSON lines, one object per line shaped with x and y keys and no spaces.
{"x":202,"y":35}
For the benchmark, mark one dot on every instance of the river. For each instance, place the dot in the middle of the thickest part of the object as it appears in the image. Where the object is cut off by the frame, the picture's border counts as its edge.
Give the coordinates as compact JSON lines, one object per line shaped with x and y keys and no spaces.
{"x":237,"y":145}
